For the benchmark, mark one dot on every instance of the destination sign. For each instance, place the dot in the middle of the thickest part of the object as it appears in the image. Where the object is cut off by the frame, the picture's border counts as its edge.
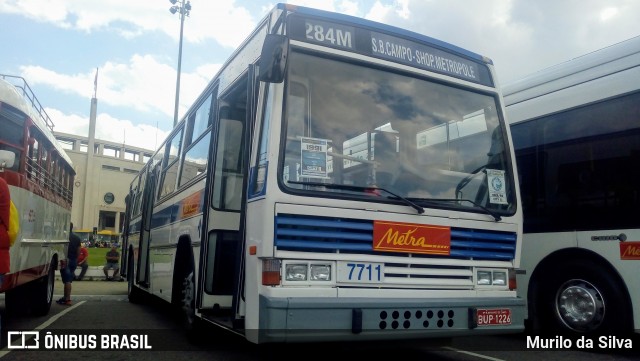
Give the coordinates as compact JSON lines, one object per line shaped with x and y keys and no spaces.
{"x":388,"y":47}
{"x":421,"y":56}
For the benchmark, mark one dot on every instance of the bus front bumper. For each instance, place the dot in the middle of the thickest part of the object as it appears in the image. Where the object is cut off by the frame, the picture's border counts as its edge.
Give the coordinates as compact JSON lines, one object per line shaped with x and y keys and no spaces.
{"x":349,"y":319}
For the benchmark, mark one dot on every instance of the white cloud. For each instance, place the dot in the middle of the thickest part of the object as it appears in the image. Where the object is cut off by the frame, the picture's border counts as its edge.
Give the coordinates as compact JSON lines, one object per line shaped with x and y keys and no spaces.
{"x":328,"y":5}
{"x":124,"y":131}
{"x":68,"y":123}
{"x":52,"y":11}
{"x":146,"y":136}
{"x":379,"y":12}
{"x":520,"y":36}
{"x":207,"y":20}
{"x":143,"y":83}
{"x":348,"y":7}
{"x":403,"y":9}
{"x":608,"y":13}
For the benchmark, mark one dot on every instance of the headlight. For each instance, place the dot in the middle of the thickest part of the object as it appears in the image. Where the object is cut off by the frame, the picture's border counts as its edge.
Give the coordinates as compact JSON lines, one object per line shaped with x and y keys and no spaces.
{"x":499,"y":278}
{"x":492,"y":277}
{"x":320,"y":272}
{"x":296,"y":272}
{"x":484,"y":278}
{"x":315,"y":273}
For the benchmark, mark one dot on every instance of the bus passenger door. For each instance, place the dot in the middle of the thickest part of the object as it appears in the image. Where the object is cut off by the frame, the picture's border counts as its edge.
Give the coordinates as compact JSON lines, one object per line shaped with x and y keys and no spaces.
{"x":222,"y":249}
{"x":142,"y":274}
{"x":124,"y":235}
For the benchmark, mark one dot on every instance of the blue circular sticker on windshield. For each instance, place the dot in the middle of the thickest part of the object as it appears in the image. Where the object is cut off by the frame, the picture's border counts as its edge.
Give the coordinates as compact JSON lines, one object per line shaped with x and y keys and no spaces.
{"x":496,"y":183}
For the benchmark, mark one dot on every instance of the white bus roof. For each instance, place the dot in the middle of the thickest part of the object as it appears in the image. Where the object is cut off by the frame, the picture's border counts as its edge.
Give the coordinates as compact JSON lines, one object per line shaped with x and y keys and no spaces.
{"x":10,"y":94}
{"x":613,"y":70}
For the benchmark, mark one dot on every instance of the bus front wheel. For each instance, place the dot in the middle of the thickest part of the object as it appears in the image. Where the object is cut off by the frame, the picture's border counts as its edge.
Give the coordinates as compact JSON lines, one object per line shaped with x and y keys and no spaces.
{"x":42,"y":292}
{"x":584,"y":299}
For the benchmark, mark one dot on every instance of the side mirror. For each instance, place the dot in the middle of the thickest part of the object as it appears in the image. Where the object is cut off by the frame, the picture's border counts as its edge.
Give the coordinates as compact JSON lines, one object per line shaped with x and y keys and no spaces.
{"x":7,"y":158}
{"x":273,"y":59}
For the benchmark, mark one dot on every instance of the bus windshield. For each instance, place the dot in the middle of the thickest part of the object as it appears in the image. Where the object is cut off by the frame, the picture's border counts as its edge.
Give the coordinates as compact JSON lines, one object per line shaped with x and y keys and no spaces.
{"x":420,"y":139}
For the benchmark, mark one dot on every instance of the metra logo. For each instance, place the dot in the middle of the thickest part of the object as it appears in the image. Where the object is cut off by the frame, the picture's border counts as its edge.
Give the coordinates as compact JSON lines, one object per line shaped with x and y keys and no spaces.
{"x":630,"y":250}
{"x":191,"y":205}
{"x":411,"y":238}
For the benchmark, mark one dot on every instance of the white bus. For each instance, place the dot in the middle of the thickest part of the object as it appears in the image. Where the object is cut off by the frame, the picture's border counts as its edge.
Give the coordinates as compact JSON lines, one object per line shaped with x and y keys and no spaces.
{"x":338,"y":179}
{"x":40,"y":178}
{"x":576,"y":130}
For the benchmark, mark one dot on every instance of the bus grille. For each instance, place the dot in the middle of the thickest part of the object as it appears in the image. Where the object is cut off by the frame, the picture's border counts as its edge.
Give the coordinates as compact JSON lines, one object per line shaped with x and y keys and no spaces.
{"x":343,"y":235}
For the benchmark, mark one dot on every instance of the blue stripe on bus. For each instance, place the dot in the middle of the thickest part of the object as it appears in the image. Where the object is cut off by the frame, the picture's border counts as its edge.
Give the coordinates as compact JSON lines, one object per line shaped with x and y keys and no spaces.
{"x":165,"y":216}
{"x":172,"y":213}
{"x":328,"y":234}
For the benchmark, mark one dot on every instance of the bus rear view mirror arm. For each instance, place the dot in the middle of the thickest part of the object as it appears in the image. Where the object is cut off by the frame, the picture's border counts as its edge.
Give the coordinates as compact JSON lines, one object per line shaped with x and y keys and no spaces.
{"x":273,"y":59}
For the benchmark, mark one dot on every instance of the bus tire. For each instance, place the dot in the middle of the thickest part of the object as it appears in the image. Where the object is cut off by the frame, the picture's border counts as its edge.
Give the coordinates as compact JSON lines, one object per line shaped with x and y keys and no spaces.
{"x":191,"y":324}
{"x":134,"y":294}
{"x":584,"y":299}
{"x":42,"y":292}
{"x":16,"y":300}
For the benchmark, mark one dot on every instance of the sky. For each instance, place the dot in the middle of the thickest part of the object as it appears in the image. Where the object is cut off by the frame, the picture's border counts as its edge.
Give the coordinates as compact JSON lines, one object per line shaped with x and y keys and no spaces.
{"x":59,"y":45}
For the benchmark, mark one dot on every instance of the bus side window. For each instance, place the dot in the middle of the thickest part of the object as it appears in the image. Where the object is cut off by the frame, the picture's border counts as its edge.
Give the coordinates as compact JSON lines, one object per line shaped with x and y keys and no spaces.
{"x":32,"y":157}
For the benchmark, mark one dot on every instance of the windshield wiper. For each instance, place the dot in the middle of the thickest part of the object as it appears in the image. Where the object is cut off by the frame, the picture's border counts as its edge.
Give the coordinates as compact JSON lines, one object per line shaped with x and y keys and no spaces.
{"x":495,"y":216}
{"x":360,"y":189}
{"x":463,"y":183}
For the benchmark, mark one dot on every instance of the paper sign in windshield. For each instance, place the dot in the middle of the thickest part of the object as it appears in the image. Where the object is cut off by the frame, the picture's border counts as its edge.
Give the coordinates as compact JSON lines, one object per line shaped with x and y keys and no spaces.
{"x":314,"y":157}
{"x":497,"y":192}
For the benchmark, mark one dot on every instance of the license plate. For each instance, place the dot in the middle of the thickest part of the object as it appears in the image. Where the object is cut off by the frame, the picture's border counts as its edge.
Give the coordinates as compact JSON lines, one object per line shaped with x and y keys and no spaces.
{"x":493,"y":317}
{"x":360,"y":272}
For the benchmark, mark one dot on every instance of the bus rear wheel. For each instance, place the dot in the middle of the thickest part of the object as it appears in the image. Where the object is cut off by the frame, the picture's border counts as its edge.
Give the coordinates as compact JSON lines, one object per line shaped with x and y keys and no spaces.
{"x":584,"y":299}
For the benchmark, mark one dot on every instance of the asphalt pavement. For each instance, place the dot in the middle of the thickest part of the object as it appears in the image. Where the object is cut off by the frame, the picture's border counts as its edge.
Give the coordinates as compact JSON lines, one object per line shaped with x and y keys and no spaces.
{"x":91,"y":288}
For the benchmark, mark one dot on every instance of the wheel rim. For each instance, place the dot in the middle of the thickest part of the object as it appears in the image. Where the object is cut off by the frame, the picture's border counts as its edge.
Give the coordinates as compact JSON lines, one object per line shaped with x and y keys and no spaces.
{"x":51,"y":280}
{"x":580,"y":305}
{"x":187,"y":299}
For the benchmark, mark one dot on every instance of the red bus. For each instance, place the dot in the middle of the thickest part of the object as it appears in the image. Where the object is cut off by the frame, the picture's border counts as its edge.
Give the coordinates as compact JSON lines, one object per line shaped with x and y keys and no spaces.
{"x":40,"y":178}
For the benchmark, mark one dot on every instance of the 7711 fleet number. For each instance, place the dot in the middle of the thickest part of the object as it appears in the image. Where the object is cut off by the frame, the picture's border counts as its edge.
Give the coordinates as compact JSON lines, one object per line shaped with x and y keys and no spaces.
{"x":360,"y":272}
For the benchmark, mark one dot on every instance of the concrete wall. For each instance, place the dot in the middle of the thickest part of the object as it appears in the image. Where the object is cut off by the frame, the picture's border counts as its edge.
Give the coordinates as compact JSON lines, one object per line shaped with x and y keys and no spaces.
{"x":110,"y":168}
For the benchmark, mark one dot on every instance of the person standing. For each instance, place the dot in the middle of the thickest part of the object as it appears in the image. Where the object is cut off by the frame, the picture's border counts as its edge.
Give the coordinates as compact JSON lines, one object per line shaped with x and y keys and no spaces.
{"x":83,"y":262}
{"x":5,"y":206}
{"x":68,"y":267}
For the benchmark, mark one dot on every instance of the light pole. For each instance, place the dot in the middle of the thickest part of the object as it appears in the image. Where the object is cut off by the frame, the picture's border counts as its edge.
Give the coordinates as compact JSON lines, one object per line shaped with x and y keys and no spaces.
{"x":183,"y":8}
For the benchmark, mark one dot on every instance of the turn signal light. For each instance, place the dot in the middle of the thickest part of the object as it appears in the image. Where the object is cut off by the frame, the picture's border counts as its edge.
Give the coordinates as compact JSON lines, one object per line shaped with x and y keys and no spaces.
{"x":513,"y":283}
{"x":270,"y":272}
